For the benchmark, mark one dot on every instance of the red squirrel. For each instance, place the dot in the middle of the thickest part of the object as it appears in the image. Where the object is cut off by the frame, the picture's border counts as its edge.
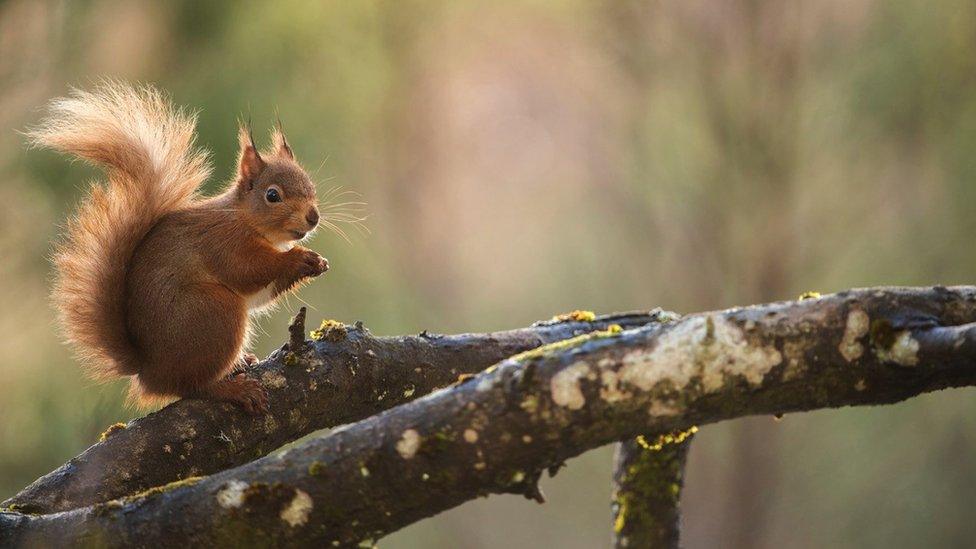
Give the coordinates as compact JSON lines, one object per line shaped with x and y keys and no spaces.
{"x":155,"y":281}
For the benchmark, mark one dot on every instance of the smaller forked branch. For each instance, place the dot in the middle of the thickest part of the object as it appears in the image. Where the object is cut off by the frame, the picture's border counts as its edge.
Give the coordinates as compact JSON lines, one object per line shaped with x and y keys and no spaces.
{"x":648,"y":474}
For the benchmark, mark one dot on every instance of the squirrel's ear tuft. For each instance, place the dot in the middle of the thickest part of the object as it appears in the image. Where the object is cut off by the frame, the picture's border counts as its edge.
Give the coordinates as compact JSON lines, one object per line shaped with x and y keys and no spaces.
{"x":250,"y":164}
{"x":280,"y":144}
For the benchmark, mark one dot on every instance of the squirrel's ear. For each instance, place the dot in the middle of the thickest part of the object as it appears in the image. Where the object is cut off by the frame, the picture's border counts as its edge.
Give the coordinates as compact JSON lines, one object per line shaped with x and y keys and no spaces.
{"x":250,"y":163}
{"x":280,"y":144}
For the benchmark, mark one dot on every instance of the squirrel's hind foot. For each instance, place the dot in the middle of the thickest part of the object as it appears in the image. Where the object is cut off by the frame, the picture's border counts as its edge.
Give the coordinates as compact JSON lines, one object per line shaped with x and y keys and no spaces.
{"x":244,"y":391}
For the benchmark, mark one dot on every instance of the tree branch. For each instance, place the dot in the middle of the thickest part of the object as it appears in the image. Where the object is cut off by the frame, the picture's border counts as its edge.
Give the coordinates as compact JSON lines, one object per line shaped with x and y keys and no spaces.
{"x":346,"y":374}
{"x":648,"y":475}
{"x":496,"y":432}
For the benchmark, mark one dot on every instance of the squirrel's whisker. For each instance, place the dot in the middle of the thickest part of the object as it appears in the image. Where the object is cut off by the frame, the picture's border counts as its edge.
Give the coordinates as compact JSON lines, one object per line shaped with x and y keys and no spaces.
{"x":346,"y":216}
{"x":328,"y":194}
{"x":336,"y":229}
{"x":354,"y":211}
{"x":326,"y":159}
{"x":334,"y":199}
{"x":306,"y":303}
{"x":357,"y":222}
{"x":352,"y":205}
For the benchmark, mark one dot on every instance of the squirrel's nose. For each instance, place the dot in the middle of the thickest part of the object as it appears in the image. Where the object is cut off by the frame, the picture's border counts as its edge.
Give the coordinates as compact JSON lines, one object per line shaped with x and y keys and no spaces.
{"x":312,"y":217}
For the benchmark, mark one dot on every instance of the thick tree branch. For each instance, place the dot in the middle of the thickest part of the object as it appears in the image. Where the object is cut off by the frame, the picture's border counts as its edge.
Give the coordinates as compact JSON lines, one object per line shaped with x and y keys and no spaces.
{"x":345,"y":375}
{"x":496,"y":432}
{"x":648,"y":474}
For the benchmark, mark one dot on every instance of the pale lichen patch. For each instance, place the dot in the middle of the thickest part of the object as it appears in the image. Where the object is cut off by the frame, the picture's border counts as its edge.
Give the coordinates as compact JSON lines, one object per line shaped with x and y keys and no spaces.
{"x":903,"y":351}
{"x":485,"y":383}
{"x":408,"y":444}
{"x":231,"y":496}
{"x":705,"y":347}
{"x":273,"y":380}
{"x":663,"y":408}
{"x":297,"y":511}
{"x":610,"y":390}
{"x":565,"y":386}
{"x":530,"y":404}
{"x":793,"y":354}
{"x":857,"y":327}
{"x":187,"y":432}
{"x":470,"y":436}
{"x":295,"y":416}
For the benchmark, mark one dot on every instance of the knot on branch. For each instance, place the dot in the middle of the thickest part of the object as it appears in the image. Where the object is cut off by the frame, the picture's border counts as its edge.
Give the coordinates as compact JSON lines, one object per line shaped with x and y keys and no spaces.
{"x":527,"y":484}
{"x":296,"y":331}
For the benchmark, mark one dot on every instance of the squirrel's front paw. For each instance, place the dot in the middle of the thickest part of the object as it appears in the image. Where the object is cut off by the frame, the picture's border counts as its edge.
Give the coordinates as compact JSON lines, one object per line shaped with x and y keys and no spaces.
{"x":313,"y":264}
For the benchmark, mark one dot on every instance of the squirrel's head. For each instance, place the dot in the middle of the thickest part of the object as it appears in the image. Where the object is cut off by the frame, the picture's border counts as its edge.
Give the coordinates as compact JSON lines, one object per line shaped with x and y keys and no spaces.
{"x":274,"y":191}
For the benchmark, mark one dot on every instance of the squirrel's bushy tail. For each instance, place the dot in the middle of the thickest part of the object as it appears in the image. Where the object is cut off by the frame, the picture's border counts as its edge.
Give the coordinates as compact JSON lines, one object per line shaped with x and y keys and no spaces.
{"x":147,"y":149}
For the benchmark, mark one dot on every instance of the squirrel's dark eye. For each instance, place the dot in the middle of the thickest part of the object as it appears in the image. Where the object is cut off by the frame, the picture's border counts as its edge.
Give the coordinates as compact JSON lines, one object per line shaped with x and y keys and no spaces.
{"x":272,"y":195}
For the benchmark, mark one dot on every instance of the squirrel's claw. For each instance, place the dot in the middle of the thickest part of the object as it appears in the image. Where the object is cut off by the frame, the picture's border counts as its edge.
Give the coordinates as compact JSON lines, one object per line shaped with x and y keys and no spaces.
{"x":252,"y":397}
{"x":314,"y":264}
{"x":241,"y":390}
{"x":247,"y":360}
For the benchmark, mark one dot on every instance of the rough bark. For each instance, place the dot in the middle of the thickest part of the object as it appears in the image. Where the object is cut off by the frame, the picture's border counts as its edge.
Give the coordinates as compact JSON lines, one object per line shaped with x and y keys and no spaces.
{"x":648,"y":475}
{"x":344,"y":374}
{"x":497,"y":432}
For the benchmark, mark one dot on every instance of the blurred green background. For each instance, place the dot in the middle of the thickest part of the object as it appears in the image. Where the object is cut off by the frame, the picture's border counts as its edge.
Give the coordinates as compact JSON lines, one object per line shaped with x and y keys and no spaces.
{"x":524,"y":158}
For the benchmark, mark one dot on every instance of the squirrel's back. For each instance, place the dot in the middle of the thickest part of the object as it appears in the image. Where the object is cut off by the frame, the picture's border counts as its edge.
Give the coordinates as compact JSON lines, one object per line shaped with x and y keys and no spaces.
{"x":153,"y":168}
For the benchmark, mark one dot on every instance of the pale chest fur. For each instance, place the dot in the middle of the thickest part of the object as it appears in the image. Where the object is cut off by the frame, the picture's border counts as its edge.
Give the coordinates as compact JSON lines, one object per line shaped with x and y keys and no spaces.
{"x":265,"y":297}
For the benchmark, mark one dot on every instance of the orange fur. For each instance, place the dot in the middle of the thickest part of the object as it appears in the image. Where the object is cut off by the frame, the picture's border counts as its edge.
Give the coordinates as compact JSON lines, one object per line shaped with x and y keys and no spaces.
{"x":152,"y":279}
